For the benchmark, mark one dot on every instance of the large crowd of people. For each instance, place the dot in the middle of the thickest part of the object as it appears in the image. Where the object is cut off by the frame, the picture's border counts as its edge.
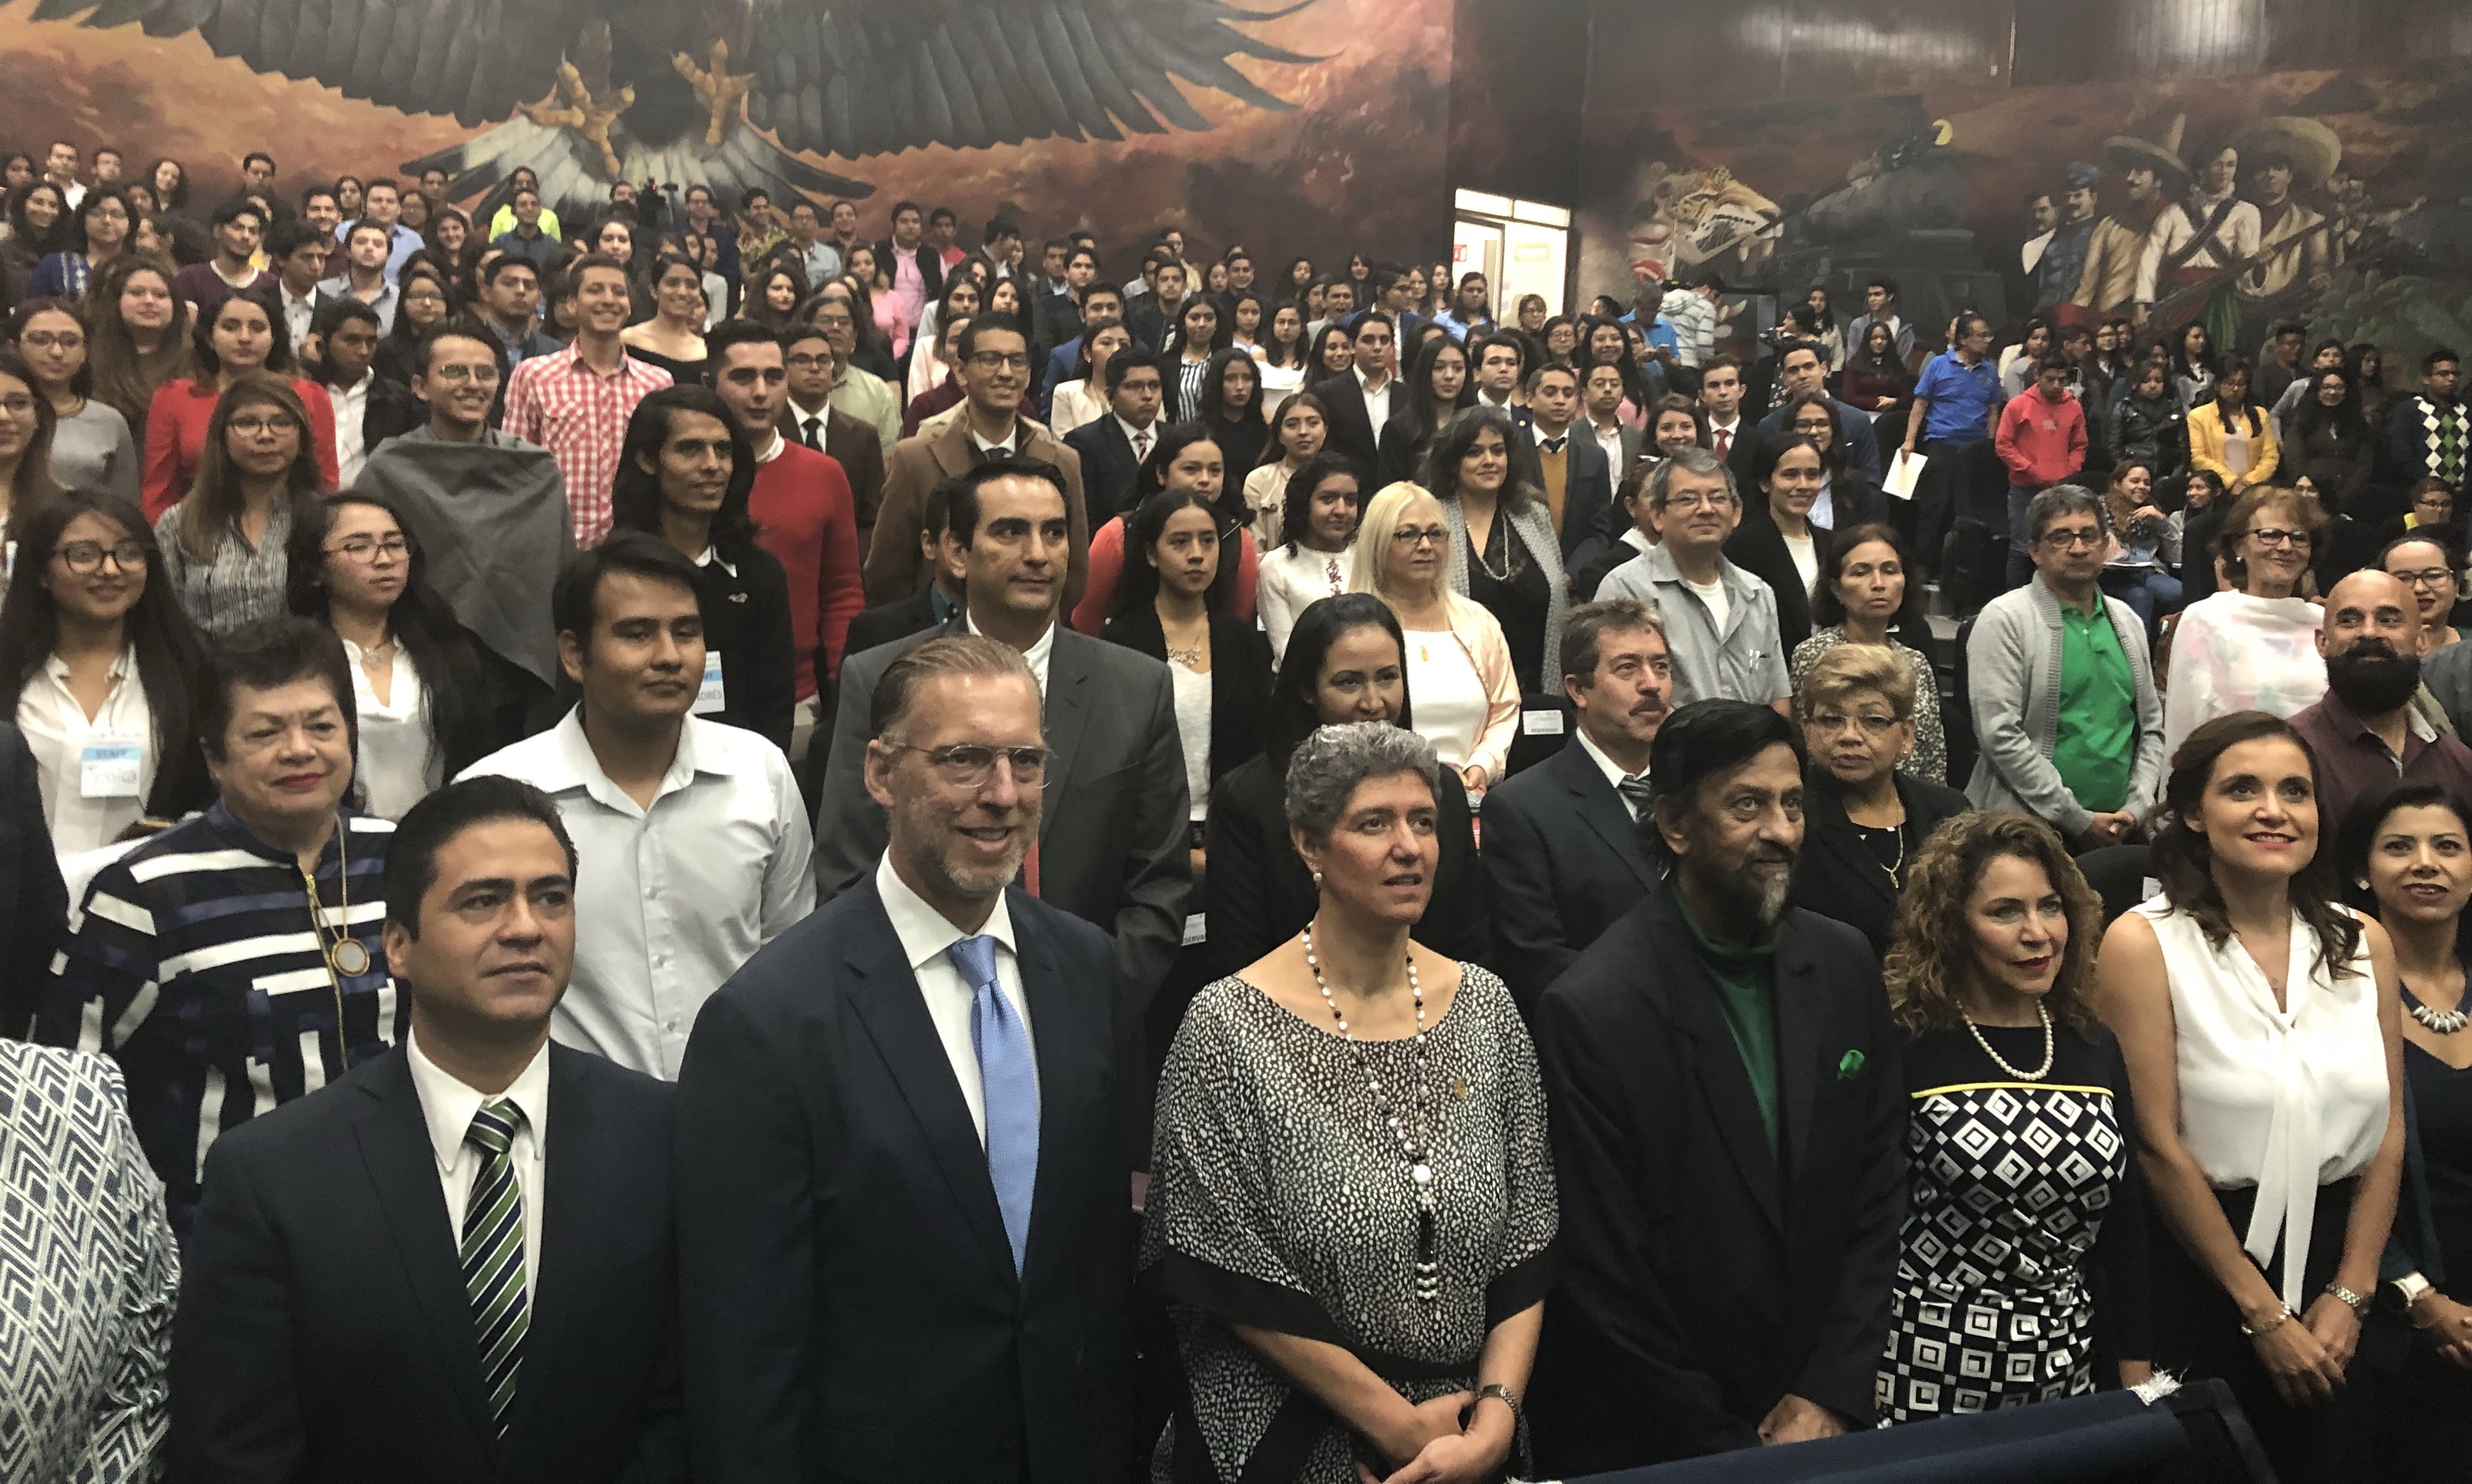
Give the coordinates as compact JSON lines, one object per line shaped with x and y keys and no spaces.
{"x":693,"y":844}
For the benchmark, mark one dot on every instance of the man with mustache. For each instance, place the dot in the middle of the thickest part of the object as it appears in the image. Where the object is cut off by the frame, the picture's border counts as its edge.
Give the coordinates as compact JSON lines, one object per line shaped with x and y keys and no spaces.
{"x":2366,"y":733}
{"x":1728,"y":1127}
{"x":1561,"y":840}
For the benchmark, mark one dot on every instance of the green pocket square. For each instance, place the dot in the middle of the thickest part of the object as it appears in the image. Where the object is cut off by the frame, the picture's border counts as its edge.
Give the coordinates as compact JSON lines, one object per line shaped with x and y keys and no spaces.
{"x":1850,"y":1067}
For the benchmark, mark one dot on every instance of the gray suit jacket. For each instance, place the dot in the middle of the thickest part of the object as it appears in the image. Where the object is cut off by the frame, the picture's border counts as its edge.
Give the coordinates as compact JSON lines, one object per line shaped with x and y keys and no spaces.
{"x":1113,"y":832}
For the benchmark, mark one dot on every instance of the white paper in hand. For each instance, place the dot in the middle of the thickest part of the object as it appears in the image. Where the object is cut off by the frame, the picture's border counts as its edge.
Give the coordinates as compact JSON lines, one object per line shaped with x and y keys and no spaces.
{"x":1904,"y":474}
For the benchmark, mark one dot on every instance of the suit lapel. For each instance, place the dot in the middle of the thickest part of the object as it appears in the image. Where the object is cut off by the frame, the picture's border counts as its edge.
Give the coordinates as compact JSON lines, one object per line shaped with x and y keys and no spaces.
{"x":1598,"y":803}
{"x":1802,"y":1016}
{"x":403,"y":1167}
{"x":1067,"y":715}
{"x":565,"y":1237}
{"x":952,"y":449}
{"x":1732,"y":1106}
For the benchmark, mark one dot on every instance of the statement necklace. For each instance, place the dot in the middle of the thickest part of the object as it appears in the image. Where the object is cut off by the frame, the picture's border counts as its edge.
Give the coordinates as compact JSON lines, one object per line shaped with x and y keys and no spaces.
{"x":1419,"y":1148}
{"x":2445,"y":1022}
{"x":2022,"y":1075}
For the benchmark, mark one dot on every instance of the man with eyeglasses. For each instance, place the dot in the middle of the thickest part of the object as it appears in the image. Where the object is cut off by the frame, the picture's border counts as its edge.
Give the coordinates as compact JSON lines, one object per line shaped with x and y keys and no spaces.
{"x":694,"y":830}
{"x":1721,"y":622}
{"x":992,"y":364}
{"x":809,"y":418}
{"x":2064,"y":705}
{"x":855,"y":389}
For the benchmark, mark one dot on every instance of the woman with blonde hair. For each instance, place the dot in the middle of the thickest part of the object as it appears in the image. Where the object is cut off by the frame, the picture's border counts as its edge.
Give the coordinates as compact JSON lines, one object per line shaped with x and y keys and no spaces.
{"x":223,"y":543}
{"x":2024,"y":1248}
{"x":1459,"y":664}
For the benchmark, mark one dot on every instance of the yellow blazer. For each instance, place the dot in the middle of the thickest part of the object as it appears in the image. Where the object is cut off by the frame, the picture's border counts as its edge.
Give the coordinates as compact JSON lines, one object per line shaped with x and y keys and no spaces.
{"x":2206,"y":444}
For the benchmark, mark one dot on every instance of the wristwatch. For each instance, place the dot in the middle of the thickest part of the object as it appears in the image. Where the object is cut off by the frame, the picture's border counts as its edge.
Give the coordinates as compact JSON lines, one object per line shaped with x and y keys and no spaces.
{"x":2409,"y":1290}
{"x":2358,"y":1303}
{"x":1517,"y":1418}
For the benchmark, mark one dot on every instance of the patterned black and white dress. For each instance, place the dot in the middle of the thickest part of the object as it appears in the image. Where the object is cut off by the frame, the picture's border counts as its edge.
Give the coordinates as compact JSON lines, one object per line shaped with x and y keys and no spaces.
{"x":1278,"y":1200}
{"x":2025,"y":1231}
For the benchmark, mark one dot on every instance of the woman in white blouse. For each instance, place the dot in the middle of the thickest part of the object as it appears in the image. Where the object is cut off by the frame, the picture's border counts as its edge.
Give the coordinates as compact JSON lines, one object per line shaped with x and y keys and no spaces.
{"x":99,"y":659}
{"x":2253,"y":647}
{"x":1316,"y":554}
{"x":417,"y":687}
{"x":1458,"y":665}
{"x":1085,"y":398}
{"x":2262,"y":1030}
{"x":1299,"y":427}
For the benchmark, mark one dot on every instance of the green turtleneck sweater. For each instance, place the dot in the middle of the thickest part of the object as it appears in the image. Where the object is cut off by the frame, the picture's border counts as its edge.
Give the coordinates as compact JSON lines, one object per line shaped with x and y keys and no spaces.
{"x":1744,"y":976}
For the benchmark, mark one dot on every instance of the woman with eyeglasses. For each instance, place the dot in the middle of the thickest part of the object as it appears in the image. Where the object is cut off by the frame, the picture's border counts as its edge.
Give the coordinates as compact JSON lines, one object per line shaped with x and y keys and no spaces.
{"x":1457,"y":658}
{"x":92,"y":445}
{"x":100,"y":661}
{"x":2253,"y":647}
{"x":224,"y":541}
{"x":1868,"y":595}
{"x":240,"y":339}
{"x":98,"y":233}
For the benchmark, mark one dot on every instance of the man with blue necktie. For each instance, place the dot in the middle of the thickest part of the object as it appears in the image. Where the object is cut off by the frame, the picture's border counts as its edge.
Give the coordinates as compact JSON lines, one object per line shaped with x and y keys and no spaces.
{"x":906,"y":1225}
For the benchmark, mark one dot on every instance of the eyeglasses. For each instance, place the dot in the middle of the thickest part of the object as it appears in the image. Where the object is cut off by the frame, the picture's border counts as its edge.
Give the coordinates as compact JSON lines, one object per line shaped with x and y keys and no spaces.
{"x":424,"y":297}
{"x":2436,"y":578}
{"x":272,"y":422}
{"x":2070,"y":540}
{"x":811,"y":363}
{"x":1829,"y":724}
{"x":970,"y":764}
{"x":2268,"y":536}
{"x":86,"y":557}
{"x":1697,"y":501}
{"x":53,"y":339}
{"x":998,"y":360}
{"x":366,"y":549}
{"x":1413,"y":537}
{"x":487,"y":375}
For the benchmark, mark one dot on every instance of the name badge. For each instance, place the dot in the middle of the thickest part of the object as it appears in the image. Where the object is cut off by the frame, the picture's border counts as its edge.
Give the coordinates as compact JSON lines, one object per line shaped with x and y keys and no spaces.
{"x":711,"y":696}
{"x":109,"y":769}
{"x":1540,"y":724}
{"x":1196,"y":928}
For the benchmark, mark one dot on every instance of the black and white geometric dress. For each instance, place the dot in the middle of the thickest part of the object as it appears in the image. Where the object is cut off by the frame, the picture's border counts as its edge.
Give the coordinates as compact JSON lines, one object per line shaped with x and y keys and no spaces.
{"x":2025,"y":1232}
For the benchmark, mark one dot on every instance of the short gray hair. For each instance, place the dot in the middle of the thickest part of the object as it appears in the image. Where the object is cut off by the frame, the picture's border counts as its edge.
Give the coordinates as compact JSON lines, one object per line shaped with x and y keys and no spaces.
{"x":2062,"y":500}
{"x":1693,"y":460}
{"x":1326,"y":768}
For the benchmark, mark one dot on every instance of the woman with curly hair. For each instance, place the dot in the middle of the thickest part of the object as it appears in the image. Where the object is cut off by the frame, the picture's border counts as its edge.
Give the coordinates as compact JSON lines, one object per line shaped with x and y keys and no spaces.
{"x":2024,"y":1249}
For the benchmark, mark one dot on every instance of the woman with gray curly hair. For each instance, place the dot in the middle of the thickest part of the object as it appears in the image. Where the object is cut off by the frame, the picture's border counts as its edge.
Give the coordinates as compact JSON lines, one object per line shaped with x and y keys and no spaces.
{"x":1349,"y":1168}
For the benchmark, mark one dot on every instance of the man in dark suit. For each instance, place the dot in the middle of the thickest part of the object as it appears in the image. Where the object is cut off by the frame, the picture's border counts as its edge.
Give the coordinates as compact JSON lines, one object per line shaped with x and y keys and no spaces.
{"x":906,"y":1236}
{"x":1114,"y":449}
{"x":809,"y":417}
{"x":909,"y":240}
{"x":929,"y":608}
{"x":1561,"y":456}
{"x":1804,"y":371}
{"x":1113,"y":840}
{"x":1153,"y":316}
{"x":1728,"y":1127}
{"x":1366,"y":389}
{"x":457,"y":1262}
{"x":1561,"y":839}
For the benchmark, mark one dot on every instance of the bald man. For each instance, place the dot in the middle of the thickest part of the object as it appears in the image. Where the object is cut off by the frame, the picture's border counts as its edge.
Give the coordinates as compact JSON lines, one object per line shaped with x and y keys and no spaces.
{"x":2369,"y":729}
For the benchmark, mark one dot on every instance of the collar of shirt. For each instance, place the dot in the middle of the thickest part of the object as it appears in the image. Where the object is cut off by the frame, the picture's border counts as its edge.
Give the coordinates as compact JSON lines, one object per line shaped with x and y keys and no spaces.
{"x":1734,"y":427}
{"x":1131,"y":432}
{"x":1557,"y":440}
{"x":1485,"y":395}
{"x":926,"y":933}
{"x":712,"y":554}
{"x":353,"y":393}
{"x":1037,"y":655}
{"x":570,"y":764}
{"x":1612,"y":770}
{"x":1367,"y":382}
{"x":771,"y":451}
{"x":1636,"y":539}
{"x":448,"y":1103}
{"x":57,"y":668}
{"x":1012,"y":441}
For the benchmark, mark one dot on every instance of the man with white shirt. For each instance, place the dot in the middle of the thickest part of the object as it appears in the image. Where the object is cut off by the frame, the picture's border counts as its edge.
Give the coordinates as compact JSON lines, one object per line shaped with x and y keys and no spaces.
{"x":1721,"y":622}
{"x":1499,"y":362}
{"x":1360,"y":401}
{"x":365,"y":277}
{"x":1114,"y":449}
{"x":368,"y":409}
{"x":1561,"y":840}
{"x":298,"y":252}
{"x":60,"y":168}
{"x":1733,"y":438}
{"x":697,"y":837}
{"x":496,"y":1209}
{"x":1603,"y":394}
{"x":905,"y":1238}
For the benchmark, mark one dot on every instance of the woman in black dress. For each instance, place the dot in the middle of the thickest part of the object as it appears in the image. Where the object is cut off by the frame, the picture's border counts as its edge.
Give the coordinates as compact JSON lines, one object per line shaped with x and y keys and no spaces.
{"x":2024,"y":1254}
{"x":1437,"y":390}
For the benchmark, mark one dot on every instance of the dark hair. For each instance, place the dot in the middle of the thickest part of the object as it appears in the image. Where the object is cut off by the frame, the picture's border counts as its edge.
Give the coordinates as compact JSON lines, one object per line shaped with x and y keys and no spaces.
{"x":94,"y":197}
{"x":1770,"y":452}
{"x":1827,"y":608}
{"x":262,"y":655}
{"x":730,"y":334}
{"x":429,"y":826}
{"x":1324,"y":622}
{"x":986,"y":322}
{"x":1295,"y":511}
{"x":1425,"y":412}
{"x":499,"y":263}
{"x":2369,"y":813}
{"x":41,"y":242}
{"x":2440,"y":355}
{"x":1172,"y":439}
{"x":1314,"y":367}
{"x":1214,"y":387}
{"x":1139,"y":586}
{"x":1832,"y":457}
{"x":83,"y":382}
{"x":1096,"y":287}
{"x":1221,"y":331}
{"x":1451,"y":445}
{"x":1584,"y":626}
{"x":254,"y":157}
{"x":2182,"y":861}
{"x":2357,"y":356}
{"x":2237,"y":366}
{"x":635,"y":495}
{"x":962,"y":523}
{"x":453,"y":327}
{"x":2343,"y":421}
{"x":1126,"y":361}
{"x":290,"y":237}
{"x":212,"y":502}
{"x":332,"y":316}
{"x":575,"y":596}
{"x":234,"y":209}
{"x":1697,"y":742}
{"x":180,"y":193}
{"x":452,"y":684}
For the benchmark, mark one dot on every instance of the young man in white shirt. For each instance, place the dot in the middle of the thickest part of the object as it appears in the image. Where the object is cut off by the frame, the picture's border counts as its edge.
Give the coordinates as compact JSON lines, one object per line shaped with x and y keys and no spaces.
{"x":1499,"y":363}
{"x":299,"y":253}
{"x":1603,"y":394}
{"x":60,"y":168}
{"x":699,"y":843}
{"x":1721,"y":396}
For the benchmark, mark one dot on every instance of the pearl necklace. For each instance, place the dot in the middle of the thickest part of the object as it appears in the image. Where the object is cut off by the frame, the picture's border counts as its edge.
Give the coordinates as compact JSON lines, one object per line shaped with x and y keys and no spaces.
{"x":1418,"y":1149}
{"x":2050,"y":1049}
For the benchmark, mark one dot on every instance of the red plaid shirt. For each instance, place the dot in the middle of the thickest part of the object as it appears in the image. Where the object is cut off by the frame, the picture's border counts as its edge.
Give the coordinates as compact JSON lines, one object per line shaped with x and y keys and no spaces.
{"x":562,"y":404}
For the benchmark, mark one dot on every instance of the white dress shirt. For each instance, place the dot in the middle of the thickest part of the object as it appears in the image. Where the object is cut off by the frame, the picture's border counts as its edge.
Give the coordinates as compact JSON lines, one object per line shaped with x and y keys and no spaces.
{"x":1001,"y":450}
{"x":352,"y":404}
{"x":1610,"y":438}
{"x":673,"y":899}
{"x":1733,"y":434}
{"x":297,"y":313}
{"x":448,"y":1106}
{"x":1037,"y":655}
{"x":1377,"y":402}
{"x":1612,"y":770}
{"x":86,"y":811}
{"x":818,"y":421}
{"x":400,"y":763}
{"x":926,"y":933}
{"x":1135,"y":435}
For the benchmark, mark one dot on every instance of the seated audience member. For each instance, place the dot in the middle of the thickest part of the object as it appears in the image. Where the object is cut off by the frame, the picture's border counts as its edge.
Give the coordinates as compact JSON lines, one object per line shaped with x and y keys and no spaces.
{"x":2366,"y":733}
{"x":1444,"y":1247}
{"x":2132,"y":568}
{"x":1112,"y":850}
{"x":1776,"y":543}
{"x":2252,"y":647}
{"x":91,"y":447}
{"x":101,"y":665}
{"x":224,"y":543}
{"x":2266,"y":1260}
{"x":1314,"y":555}
{"x":1868,"y":595}
{"x":2147,"y":422}
{"x":1187,"y":460}
{"x":1298,"y":431}
{"x":2025,"y":1200}
{"x":1864,"y":819}
{"x":1719,"y":1049}
{"x":2065,"y":712}
{"x":2430,"y":567}
{"x":1721,"y":622}
{"x":2433,"y":511}
{"x":698,"y":842}
{"x":992,"y":367}
{"x":418,"y":691}
{"x":275,"y":882}
{"x":968,"y":1318}
{"x":239,"y":340}
{"x":1115,"y":448}
{"x":1875,"y":379}
{"x":1456,"y":655}
{"x":1562,"y":839}
{"x":810,"y":420}
{"x":368,"y":408}
{"x":474,"y":1175}
{"x":686,"y":477}
{"x":1345,"y":666}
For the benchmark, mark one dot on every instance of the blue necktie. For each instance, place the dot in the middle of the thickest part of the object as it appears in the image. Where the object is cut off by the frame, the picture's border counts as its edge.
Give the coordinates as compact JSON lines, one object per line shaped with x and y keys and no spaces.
{"x":1009,"y":1078}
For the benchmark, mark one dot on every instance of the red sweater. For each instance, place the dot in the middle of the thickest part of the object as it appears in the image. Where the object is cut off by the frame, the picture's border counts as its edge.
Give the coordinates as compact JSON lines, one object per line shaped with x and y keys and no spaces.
{"x":2042,"y":443}
{"x":176,"y":439}
{"x":804,"y":517}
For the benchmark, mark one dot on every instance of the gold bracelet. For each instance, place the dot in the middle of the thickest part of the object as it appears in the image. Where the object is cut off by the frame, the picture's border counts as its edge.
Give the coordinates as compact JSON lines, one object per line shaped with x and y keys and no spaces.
{"x":2280,"y":1320}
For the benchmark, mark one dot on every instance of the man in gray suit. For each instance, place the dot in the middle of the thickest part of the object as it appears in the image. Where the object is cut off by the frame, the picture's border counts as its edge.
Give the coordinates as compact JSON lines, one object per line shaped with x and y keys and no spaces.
{"x":1113,"y":839}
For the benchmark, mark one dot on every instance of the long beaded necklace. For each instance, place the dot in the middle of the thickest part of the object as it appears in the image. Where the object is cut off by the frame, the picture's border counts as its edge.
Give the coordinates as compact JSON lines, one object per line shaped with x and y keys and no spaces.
{"x":2049,"y":1049}
{"x":1419,"y":1148}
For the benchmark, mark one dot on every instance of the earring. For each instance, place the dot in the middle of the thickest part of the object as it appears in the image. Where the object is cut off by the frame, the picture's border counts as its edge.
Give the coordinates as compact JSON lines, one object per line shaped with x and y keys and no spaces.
{"x":1316,"y":880}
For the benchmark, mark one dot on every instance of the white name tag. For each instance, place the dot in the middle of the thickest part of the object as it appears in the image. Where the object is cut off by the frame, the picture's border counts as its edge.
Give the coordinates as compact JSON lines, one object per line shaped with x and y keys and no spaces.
{"x":1540,"y":724}
{"x":1197,"y":929}
{"x":711,"y":696}
{"x":109,"y":769}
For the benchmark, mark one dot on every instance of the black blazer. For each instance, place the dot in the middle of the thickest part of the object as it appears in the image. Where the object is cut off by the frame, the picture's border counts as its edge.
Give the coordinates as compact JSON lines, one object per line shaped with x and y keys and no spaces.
{"x":1704,"y":1276}
{"x":1836,"y":875}
{"x":1261,"y":894}
{"x":1240,"y":680}
{"x":1351,"y":427}
{"x":1758,"y":548}
{"x":324,"y":1332}
{"x":931,"y":267}
{"x":859,"y":449}
{"x":747,"y":622}
{"x":1150,"y":326}
{"x":1401,"y":452}
{"x":887,"y":622}
{"x":34,"y":901}
{"x":1110,"y":471}
{"x":849,"y":1305}
{"x":1562,"y":854}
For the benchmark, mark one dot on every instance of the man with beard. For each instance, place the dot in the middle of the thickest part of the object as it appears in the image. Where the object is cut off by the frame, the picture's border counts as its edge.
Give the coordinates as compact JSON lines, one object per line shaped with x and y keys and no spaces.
{"x":1728,"y":1121}
{"x":1561,"y":840}
{"x":2366,"y":733}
